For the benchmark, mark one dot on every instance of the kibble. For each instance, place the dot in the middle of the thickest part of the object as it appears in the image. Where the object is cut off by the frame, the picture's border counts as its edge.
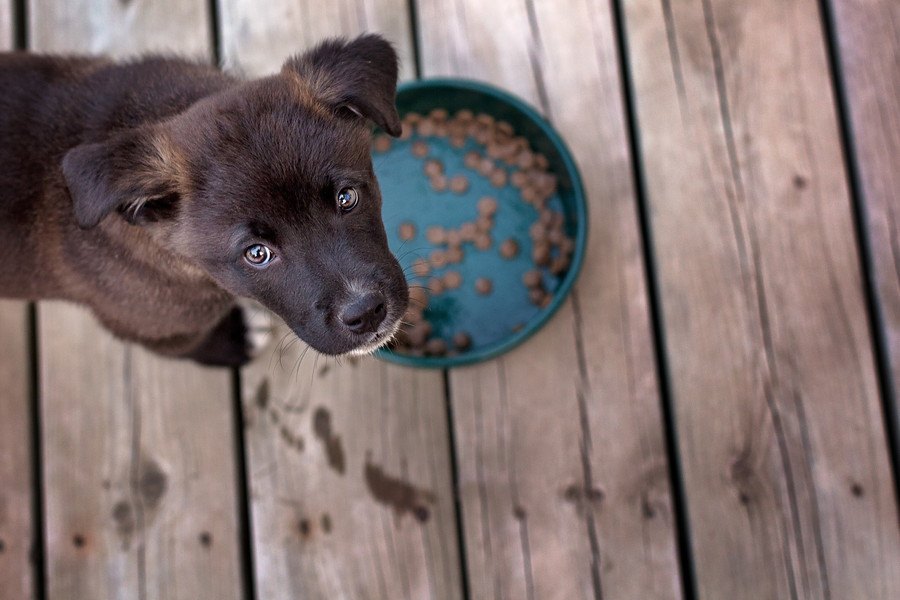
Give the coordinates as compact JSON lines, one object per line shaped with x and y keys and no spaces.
{"x":382,"y":143}
{"x":439,"y":183}
{"x":484,"y":286}
{"x":436,"y":235}
{"x":487,"y":206}
{"x":436,"y":347}
{"x":498,"y":178}
{"x":459,"y":184}
{"x":483,"y":241}
{"x":433,"y":167}
{"x":438,"y":259}
{"x":452,"y":280}
{"x":532,"y":278}
{"x":419,"y":149}
{"x":406,"y":231}
{"x":435,"y":286}
{"x":472,"y":159}
{"x":462,"y":340}
{"x":421,"y":267}
{"x":540,"y":254}
{"x":509,"y":248}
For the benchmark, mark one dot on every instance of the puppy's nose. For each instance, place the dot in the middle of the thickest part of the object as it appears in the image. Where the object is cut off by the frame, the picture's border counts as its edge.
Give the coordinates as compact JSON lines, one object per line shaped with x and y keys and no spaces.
{"x":364,"y":314}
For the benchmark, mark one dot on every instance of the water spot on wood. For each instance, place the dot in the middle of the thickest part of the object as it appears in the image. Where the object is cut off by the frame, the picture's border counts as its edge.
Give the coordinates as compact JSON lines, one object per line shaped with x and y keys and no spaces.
{"x":323,"y":370}
{"x":152,"y":483}
{"x":261,"y":397}
{"x":205,"y":538}
{"x":78,"y":540}
{"x":857,"y":490}
{"x":123,"y":517}
{"x":292,"y":439}
{"x":647,"y":510}
{"x":800,"y":182}
{"x":106,"y":484}
{"x":744,"y":498}
{"x":400,"y":495}
{"x":326,"y":523}
{"x":2,"y":546}
{"x":519,"y":513}
{"x":304,"y":527}
{"x":583,"y":498}
{"x":332,"y":442}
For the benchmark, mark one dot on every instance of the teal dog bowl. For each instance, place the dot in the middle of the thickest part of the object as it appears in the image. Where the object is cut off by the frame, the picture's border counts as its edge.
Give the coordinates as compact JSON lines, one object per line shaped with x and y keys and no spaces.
{"x":505,"y":317}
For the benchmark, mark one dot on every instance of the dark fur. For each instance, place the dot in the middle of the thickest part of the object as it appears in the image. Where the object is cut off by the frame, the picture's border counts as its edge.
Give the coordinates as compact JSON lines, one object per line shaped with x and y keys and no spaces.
{"x":134,"y":188}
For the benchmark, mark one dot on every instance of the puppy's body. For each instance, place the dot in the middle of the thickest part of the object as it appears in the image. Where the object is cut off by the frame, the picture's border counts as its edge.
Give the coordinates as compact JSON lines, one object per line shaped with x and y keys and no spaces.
{"x":50,"y":105}
{"x":133,"y":223}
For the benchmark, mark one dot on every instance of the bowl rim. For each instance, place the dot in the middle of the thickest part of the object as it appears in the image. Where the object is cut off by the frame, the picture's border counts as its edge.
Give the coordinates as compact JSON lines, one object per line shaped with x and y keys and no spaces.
{"x":581,"y":228}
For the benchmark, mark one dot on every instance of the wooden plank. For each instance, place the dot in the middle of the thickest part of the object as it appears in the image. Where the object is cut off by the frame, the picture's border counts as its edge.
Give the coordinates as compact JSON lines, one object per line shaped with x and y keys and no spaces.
{"x":139,"y":471}
{"x":17,"y":534}
{"x":779,"y":419}
{"x":868,"y":39}
{"x":324,"y":527}
{"x":562,"y":464}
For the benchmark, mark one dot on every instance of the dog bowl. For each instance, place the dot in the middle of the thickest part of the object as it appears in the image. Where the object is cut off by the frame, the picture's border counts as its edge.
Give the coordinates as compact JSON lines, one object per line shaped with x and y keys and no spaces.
{"x":498,"y":321}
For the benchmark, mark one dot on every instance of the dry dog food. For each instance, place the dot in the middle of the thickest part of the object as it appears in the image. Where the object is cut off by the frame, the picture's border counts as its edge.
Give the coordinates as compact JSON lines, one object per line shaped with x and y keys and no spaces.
{"x":502,"y":159}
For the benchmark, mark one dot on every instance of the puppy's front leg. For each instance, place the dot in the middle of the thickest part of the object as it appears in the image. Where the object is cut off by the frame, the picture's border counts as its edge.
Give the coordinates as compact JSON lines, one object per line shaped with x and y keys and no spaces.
{"x":239,"y":337}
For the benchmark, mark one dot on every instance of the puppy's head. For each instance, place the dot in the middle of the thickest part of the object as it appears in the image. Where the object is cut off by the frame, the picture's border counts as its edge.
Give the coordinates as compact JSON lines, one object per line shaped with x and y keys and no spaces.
{"x":269,"y":188}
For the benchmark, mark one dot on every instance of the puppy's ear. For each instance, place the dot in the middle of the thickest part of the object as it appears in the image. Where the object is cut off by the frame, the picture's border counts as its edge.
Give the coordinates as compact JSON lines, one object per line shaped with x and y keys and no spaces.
{"x":358,"y":77}
{"x":133,"y":171}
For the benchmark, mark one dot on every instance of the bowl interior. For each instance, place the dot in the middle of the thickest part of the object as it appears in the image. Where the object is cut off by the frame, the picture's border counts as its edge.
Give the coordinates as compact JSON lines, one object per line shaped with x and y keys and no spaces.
{"x":497,"y":321}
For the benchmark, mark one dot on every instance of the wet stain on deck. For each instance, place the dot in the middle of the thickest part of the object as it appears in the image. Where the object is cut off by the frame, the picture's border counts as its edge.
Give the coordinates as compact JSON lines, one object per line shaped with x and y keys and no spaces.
{"x":325,"y":433}
{"x":400,"y":495}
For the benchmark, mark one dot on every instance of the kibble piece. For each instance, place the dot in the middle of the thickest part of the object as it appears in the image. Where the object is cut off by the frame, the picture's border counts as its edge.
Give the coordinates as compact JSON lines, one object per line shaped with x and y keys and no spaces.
{"x":536,"y":296}
{"x":452,"y":280}
{"x":509,"y":248}
{"x":412,"y":118}
{"x":505,"y":128}
{"x":532,"y":278}
{"x":439,"y":183}
{"x":417,"y":334}
{"x":465,"y":115}
{"x":540,"y":253}
{"x":457,"y":141}
{"x":483,"y":241}
{"x":459,"y":184}
{"x":486,"y":167}
{"x":462,"y":340}
{"x":421,"y":267}
{"x":406,"y":231}
{"x":545,"y":302}
{"x":484,"y":223}
{"x":412,"y":315}
{"x":439,"y":114}
{"x":433,"y":167}
{"x":525,"y":159}
{"x":435,"y":286}
{"x":438,"y":259}
{"x":567,"y":245}
{"x":468,"y":231}
{"x":559,"y":265}
{"x":436,"y":347}
{"x":487,"y":206}
{"x":382,"y":143}
{"x":454,"y":255}
{"x":546,"y":217}
{"x":541,"y":161}
{"x":484,"y":286}
{"x":537,"y":231}
{"x":530,"y":194}
{"x":418,"y":297}
{"x":406,"y":131}
{"x":494,"y":150}
{"x":472,"y":159}
{"x":454,"y":237}
{"x":426,"y":127}
{"x":419,"y":149}
{"x":518,"y":179}
{"x":436,"y":234}
{"x":484,"y":119}
{"x":498,"y":178}
{"x":556,"y":236}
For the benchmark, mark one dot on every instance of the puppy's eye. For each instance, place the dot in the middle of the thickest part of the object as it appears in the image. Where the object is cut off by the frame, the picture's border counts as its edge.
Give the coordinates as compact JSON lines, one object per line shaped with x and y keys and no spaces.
{"x":347,"y":199}
{"x":258,"y":255}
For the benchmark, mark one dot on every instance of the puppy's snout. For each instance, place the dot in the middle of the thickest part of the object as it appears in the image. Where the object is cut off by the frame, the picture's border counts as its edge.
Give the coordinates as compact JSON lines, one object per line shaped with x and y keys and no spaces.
{"x":364,"y":314}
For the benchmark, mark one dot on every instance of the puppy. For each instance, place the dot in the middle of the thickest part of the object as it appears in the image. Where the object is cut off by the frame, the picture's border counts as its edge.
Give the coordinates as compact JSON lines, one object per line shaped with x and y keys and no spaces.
{"x":158,"y":191}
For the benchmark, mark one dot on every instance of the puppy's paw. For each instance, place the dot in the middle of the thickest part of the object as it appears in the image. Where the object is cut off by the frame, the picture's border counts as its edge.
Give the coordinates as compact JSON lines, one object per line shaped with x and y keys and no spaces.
{"x":238,"y":338}
{"x":260,"y":327}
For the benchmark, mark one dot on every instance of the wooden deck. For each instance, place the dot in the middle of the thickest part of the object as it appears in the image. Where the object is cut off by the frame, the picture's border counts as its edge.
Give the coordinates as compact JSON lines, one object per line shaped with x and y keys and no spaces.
{"x":712,"y":414}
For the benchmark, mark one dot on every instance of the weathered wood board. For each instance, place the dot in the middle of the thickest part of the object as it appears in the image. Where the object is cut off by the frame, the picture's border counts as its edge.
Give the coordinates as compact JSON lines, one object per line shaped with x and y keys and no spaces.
{"x":562,"y":464}
{"x":349,"y":465}
{"x":17,"y":527}
{"x":775,"y":397}
{"x":139,"y":462}
{"x":868,"y":45}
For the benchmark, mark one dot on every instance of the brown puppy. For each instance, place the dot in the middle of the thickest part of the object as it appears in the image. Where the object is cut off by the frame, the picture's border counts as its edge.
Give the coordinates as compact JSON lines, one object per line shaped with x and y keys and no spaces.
{"x":158,"y":191}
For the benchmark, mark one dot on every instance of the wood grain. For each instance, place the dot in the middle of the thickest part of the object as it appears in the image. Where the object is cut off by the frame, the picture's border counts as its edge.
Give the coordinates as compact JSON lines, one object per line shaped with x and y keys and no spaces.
{"x":868,"y":43}
{"x":562,"y":465}
{"x":139,"y":462}
{"x":17,"y":527}
{"x":323,"y":520}
{"x":778,"y":412}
